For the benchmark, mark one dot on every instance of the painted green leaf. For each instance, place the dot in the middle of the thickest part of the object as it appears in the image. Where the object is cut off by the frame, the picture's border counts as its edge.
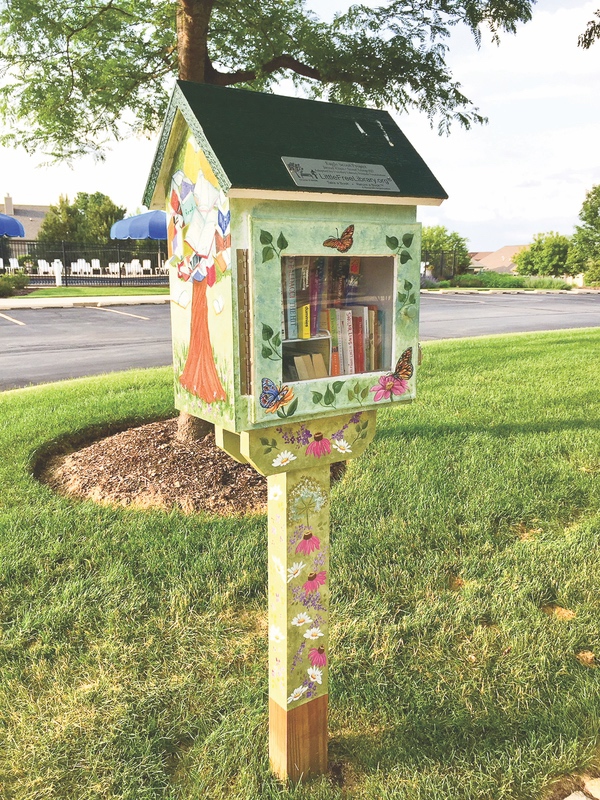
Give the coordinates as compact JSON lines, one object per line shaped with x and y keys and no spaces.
{"x":291,"y":409}
{"x":364,"y":393}
{"x":392,"y":242}
{"x":266,"y":237}
{"x":281,"y":242}
{"x":329,"y":398}
{"x":268,"y":450}
{"x":317,"y":397}
{"x":402,"y":298}
{"x":407,"y":239}
{"x":408,"y":285}
{"x":267,"y":254}
{"x":405,"y":256}
{"x":412,"y":298}
{"x":365,"y":425}
{"x":276,"y":340}
{"x":266,"y":351}
{"x":350,"y":394}
{"x":281,"y":413}
{"x":337,"y":386}
{"x":267,"y":332}
{"x":264,"y":441}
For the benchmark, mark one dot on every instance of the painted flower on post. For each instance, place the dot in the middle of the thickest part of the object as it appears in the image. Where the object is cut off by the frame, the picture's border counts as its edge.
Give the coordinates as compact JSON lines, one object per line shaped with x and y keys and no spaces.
{"x":320,"y":446}
{"x":276,"y":634}
{"x":297,"y":693}
{"x":317,"y":656}
{"x":315,"y":675}
{"x":308,"y":543}
{"x":295,"y":570}
{"x":315,"y":579}
{"x":306,"y":498}
{"x":301,"y":619}
{"x":342,"y":446}
{"x":283,"y":459}
{"x":313,"y":633}
{"x":387,"y":386}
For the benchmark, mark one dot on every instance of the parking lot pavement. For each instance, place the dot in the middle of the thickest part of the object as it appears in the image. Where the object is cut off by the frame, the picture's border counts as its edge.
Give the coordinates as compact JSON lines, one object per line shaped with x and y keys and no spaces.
{"x":41,"y":345}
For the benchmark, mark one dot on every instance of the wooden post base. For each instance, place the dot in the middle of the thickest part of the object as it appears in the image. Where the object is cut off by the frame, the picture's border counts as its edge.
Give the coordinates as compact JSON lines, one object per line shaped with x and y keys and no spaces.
{"x":298,"y":739}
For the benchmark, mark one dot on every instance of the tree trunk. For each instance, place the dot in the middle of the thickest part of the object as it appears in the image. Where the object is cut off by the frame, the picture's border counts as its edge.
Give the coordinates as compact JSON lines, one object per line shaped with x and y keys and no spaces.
{"x":190,"y":429}
{"x":193,"y":17}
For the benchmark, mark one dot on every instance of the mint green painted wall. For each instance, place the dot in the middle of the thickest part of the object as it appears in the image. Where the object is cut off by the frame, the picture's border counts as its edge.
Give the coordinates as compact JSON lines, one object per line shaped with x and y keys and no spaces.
{"x":305,"y":225}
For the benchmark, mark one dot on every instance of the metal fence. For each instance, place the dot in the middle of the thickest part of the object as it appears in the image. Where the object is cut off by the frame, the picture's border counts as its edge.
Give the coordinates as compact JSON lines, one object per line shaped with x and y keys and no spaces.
{"x":440,"y":264}
{"x":126,"y":263}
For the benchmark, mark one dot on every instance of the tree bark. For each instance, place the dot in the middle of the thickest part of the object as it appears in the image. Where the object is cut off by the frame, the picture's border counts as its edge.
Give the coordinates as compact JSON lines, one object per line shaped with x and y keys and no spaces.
{"x":193,"y":17}
{"x":190,"y":429}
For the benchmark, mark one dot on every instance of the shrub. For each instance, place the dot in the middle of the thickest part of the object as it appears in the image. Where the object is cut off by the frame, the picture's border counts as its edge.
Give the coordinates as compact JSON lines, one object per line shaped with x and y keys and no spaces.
{"x":444,"y":284}
{"x":428,"y":283}
{"x":7,"y":287}
{"x":9,"y":284}
{"x":545,"y":283}
{"x":20,"y":280}
{"x":592,"y":274}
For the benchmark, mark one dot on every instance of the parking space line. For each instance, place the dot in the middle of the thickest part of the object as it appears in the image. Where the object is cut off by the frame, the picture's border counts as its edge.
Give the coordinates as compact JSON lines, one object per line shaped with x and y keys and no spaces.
{"x":114,"y":311}
{"x":12,"y":319}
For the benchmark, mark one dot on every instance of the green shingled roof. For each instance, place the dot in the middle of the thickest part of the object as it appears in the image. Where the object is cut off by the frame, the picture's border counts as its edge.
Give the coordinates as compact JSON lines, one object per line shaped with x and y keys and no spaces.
{"x":249,"y":132}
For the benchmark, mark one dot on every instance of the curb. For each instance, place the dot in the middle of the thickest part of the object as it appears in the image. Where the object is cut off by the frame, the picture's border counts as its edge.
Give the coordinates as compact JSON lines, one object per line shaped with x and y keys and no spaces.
{"x":14,"y":304}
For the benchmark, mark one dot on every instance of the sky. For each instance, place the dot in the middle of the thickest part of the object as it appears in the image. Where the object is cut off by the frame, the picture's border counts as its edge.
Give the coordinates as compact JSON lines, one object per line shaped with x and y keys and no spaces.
{"x":525,"y":172}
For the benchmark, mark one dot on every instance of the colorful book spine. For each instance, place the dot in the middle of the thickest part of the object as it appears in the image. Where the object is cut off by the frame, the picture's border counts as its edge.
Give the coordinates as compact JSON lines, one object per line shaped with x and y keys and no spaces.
{"x":304,"y":321}
{"x":372,"y":317}
{"x":350,"y":338}
{"x":317,"y":281}
{"x":352,"y":280}
{"x":379,"y":340}
{"x":359,"y":347}
{"x":335,"y":350}
{"x":340,"y":268}
{"x":290,"y":297}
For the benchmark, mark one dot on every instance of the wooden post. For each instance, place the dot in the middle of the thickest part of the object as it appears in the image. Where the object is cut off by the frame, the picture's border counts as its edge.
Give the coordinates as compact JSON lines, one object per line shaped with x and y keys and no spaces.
{"x":297,"y":461}
{"x":298,"y":510}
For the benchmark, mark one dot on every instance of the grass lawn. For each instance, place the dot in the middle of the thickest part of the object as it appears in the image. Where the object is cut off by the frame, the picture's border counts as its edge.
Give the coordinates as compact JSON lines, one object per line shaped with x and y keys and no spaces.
{"x":133,"y":644}
{"x":97,"y":291}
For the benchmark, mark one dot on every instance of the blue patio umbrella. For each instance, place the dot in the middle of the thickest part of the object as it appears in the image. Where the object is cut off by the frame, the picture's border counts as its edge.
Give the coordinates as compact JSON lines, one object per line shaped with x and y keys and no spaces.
{"x":9,"y":226}
{"x":151,"y":225}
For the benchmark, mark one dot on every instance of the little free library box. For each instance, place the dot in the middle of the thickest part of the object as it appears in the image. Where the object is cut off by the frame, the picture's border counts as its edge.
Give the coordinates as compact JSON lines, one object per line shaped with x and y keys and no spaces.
{"x":294,"y":276}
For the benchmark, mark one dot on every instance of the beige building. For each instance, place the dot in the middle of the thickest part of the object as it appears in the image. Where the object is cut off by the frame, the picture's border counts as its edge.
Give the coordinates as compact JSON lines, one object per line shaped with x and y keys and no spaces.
{"x":30,"y":217}
{"x":502,"y":260}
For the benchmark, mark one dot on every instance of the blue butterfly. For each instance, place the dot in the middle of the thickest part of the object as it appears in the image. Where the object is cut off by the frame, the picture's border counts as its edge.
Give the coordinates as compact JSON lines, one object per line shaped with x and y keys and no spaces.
{"x":273,"y":397}
{"x":224,"y":220}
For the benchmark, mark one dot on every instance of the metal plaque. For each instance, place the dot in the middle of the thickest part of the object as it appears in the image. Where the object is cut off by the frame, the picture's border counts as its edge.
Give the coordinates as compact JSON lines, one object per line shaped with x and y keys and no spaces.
{"x":316,"y":173}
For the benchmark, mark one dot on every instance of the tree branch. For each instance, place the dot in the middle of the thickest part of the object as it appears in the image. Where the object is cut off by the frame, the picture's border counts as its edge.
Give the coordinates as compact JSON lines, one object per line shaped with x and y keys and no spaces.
{"x":284,"y":61}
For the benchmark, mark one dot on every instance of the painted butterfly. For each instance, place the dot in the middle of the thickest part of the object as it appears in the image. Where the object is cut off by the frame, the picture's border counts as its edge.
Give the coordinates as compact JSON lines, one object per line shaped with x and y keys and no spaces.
{"x":404,"y":367}
{"x":273,"y":397}
{"x":344,"y":243}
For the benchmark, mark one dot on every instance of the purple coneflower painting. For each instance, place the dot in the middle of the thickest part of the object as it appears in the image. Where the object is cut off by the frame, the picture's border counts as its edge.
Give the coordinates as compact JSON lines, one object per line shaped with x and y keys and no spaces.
{"x":320,"y":446}
{"x":315,"y":579}
{"x":308,"y":543}
{"x":317,"y":656}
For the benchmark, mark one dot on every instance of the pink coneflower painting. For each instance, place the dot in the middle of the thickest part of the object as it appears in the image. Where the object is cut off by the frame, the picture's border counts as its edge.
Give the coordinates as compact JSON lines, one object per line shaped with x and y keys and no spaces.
{"x":387,"y":386}
{"x":308,"y":543}
{"x":315,"y":579}
{"x":320,"y":446}
{"x":317,"y":656}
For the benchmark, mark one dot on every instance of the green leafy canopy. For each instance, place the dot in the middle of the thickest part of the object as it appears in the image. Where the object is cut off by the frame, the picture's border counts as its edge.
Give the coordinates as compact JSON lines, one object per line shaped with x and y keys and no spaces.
{"x":88,"y":219}
{"x":78,"y":75}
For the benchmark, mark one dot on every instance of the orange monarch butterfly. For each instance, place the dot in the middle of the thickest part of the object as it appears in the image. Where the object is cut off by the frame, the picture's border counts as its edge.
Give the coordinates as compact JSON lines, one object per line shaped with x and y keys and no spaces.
{"x":404,"y":367}
{"x":344,"y":243}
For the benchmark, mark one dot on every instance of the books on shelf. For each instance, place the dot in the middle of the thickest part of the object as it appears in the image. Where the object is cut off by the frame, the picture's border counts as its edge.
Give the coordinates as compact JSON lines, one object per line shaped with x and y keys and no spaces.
{"x":322,"y":302}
